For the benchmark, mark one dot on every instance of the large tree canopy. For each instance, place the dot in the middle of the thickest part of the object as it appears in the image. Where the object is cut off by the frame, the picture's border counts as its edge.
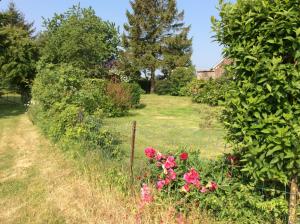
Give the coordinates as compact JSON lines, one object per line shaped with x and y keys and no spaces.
{"x":80,"y":38}
{"x":156,"y":37}
{"x":18,"y":52}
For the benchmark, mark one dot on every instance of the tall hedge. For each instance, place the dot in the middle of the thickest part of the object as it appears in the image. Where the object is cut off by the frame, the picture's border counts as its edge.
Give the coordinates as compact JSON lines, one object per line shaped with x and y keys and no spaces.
{"x":262,"y":37}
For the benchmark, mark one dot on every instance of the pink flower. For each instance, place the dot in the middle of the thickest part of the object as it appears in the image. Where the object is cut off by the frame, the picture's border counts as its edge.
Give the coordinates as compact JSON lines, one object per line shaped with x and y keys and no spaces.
{"x":192,"y":177}
{"x":167,"y":181}
{"x":171,"y":174}
{"x":170,"y":162}
{"x":185,"y":188}
{"x":184,"y":156}
{"x":197,"y":184}
{"x":159,"y":156}
{"x":203,"y":190}
{"x":160,"y":184}
{"x":212,"y":186}
{"x":150,"y":152}
{"x":146,"y":194}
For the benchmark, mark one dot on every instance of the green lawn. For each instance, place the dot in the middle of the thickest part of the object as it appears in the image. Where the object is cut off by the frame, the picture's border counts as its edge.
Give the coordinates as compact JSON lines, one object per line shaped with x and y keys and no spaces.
{"x":172,"y":123}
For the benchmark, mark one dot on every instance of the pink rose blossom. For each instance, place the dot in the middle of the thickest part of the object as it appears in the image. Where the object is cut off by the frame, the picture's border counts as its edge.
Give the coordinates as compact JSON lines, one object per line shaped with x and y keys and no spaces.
{"x":184,"y":156}
{"x":167,"y":181}
{"x":212,"y":186}
{"x":159,"y":156}
{"x":185,"y":188}
{"x":203,"y":190}
{"x":192,"y":177}
{"x":160,"y":184}
{"x":150,"y":152}
{"x":171,"y":174}
{"x":146,"y":194}
{"x":170,"y":162}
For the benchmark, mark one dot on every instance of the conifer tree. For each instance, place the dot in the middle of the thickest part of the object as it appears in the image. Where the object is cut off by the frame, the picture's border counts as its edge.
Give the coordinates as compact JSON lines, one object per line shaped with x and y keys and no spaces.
{"x":18,"y":52}
{"x":155,"y":37}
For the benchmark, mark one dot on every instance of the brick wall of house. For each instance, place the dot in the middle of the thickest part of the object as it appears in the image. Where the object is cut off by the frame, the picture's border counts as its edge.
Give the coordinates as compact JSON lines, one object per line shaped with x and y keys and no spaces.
{"x":214,"y":73}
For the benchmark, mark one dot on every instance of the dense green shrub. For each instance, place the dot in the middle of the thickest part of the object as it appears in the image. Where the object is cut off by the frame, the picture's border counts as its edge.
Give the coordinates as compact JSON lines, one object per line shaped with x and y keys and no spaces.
{"x":262,"y":38}
{"x":192,"y":88}
{"x":135,"y":93}
{"x":163,"y":87}
{"x":69,"y":108}
{"x":64,"y":83}
{"x":176,"y":81}
{"x":211,"y":92}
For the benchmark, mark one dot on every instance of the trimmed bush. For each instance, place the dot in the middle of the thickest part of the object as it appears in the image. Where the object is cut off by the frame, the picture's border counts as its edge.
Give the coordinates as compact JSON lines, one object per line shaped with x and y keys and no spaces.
{"x":262,"y":38}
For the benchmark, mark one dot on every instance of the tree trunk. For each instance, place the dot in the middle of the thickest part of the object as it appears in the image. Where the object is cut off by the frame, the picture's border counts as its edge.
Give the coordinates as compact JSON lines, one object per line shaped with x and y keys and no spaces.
{"x":152,"y":88}
{"x":293,"y":201}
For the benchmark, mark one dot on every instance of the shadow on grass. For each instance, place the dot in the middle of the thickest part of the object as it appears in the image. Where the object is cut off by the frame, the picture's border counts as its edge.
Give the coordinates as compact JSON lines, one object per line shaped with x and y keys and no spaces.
{"x":11,"y":106}
{"x":140,"y":106}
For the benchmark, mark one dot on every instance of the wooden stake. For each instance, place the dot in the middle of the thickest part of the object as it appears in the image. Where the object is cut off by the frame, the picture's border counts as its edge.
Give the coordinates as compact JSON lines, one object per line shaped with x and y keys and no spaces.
{"x":132,"y":151}
{"x":293,"y":201}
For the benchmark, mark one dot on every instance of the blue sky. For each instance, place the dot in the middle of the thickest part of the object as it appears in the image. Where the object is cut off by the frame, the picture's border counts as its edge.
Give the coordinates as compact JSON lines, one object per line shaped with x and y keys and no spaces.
{"x":197,"y":14}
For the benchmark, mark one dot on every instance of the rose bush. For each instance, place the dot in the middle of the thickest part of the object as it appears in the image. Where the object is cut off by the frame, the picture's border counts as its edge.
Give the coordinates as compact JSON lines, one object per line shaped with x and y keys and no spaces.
{"x":216,"y":186}
{"x":174,"y":173}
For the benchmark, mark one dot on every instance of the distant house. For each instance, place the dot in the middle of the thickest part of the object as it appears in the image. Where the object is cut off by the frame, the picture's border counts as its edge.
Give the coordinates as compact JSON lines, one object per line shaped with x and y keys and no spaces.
{"x":216,"y":72}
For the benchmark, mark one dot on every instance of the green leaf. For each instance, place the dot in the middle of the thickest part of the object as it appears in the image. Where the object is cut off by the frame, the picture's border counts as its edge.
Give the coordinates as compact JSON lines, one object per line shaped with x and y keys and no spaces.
{"x":276,"y":148}
{"x":269,"y":88}
{"x":251,"y":58}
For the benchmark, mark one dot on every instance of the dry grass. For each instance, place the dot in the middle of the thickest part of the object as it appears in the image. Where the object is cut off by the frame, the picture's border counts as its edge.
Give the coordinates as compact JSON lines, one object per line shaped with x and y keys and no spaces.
{"x":38,"y":184}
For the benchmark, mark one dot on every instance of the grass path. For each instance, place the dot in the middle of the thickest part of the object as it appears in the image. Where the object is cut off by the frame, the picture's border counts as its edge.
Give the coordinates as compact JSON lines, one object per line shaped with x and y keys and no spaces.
{"x":37,"y":185}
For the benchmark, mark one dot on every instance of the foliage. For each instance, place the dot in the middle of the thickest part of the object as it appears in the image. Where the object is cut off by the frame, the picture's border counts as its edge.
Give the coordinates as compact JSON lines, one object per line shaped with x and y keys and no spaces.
{"x":176,"y":81}
{"x":66,"y":84}
{"x":66,"y":113}
{"x":155,"y":37}
{"x":192,"y":88}
{"x":18,"y":52}
{"x":211,"y":92}
{"x":263,"y":39}
{"x":214,"y":186}
{"x":80,"y":38}
{"x":14,"y":18}
{"x":135,"y":93}
{"x":163,"y":87}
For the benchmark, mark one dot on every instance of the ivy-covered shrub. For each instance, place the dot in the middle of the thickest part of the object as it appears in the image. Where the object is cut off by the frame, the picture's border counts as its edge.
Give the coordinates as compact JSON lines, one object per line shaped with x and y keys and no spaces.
{"x":211,"y":92}
{"x":214,"y":186}
{"x":262,"y":38}
{"x":177,"y":80}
